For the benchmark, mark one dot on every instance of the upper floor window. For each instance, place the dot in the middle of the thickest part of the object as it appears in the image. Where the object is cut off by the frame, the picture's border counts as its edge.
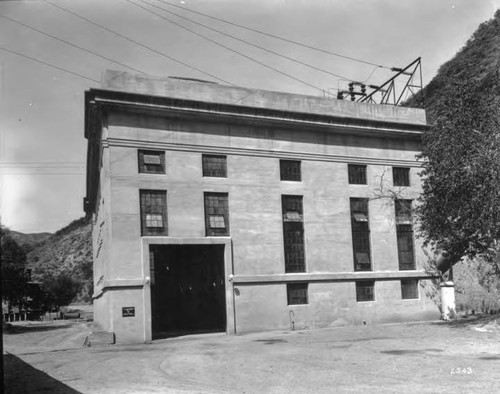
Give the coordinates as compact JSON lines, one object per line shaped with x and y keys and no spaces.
{"x":293,"y":233}
{"x":290,"y":170}
{"x":357,"y":174}
{"x":151,"y":162}
{"x":404,"y":234}
{"x":153,"y":212}
{"x":401,"y":176}
{"x":216,"y":214}
{"x":214,"y":166}
{"x":360,"y":234}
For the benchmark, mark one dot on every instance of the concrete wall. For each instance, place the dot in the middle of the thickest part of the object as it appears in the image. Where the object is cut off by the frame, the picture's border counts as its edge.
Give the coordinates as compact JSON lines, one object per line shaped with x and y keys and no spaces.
{"x":255,"y":190}
{"x":264,"y":307}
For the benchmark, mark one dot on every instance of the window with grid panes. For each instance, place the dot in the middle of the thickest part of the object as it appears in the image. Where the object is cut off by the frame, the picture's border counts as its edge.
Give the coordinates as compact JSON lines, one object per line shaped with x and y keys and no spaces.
{"x":214,"y":166}
{"x":216,"y":214}
{"x":290,"y":170}
{"x":296,"y":293}
{"x":293,"y":233}
{"x":151,"y":162}
{"x":357,"y":174}
{"x":360,"y":234}
{"x":401,"y":176}
{"x":365,"y":290}
{"x":153,"y":212}
{"x":409,"y":289}
{"x":404,"y":234}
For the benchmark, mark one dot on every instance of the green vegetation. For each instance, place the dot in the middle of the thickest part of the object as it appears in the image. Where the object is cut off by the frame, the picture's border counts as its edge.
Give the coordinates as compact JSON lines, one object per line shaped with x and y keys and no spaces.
{"x":478,"y":58}
{"x":460,"y":206}
{"x":459,"y":210}
{"x":14,"y":271}
{"x":68,"y":253}
{"x":50,"y":270}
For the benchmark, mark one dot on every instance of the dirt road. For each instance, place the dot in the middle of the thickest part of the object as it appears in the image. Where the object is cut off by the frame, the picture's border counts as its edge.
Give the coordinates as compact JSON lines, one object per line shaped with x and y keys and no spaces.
{"x":414,"y":358}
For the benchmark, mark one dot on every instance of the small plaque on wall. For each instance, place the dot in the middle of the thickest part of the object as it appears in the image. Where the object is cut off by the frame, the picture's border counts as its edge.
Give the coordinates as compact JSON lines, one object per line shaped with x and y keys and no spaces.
{"x":128,"y":311}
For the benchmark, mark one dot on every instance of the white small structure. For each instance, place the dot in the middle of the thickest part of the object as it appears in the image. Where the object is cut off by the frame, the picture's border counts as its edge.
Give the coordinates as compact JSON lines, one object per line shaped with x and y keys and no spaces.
{"x":448,"y":300}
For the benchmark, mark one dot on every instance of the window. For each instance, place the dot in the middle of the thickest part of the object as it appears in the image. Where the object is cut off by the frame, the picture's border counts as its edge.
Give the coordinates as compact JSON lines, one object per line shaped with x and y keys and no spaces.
{"x":216,"y":214}
{"x":153,"y":212}
{"x":401,"y":176}
{"x":365,"y":290}
{"x":290,"y":170}
{"x":360,"y":234}
{"x":296,"y":293}
{"x":409,"y":289}
{"x":404,"y":234}
{"x":293,"y":233}
{"x":357,"y":174}
{"x":214,"y":166}
{"x":151,"y":162}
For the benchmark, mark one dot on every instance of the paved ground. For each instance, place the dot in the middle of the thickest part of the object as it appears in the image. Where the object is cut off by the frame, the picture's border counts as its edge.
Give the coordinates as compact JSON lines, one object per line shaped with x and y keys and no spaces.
{"x":417,"y":358}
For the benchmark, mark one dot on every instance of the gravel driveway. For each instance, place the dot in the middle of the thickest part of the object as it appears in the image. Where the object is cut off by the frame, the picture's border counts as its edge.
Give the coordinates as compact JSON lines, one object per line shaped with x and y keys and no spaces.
{"x":462,"y":357}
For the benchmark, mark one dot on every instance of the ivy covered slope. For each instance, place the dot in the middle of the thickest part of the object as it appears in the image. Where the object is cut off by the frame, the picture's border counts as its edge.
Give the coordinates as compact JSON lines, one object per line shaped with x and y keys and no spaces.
{"x":473,"y":63}
{"x":460,"y":206}
{"x":66,"y":253}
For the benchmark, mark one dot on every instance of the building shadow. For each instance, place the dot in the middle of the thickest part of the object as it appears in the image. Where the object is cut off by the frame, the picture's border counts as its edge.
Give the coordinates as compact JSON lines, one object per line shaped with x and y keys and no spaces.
{"x":20,"y":377}
{"x":10,"y":329}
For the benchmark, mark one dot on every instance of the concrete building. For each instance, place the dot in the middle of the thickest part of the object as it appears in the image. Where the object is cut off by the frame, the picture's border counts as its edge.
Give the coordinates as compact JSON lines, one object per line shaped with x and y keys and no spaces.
{"x":219,"y":208}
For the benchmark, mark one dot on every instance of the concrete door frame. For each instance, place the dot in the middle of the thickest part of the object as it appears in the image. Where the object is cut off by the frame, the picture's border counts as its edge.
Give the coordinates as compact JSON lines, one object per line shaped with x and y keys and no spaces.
{"x":228,"y":274}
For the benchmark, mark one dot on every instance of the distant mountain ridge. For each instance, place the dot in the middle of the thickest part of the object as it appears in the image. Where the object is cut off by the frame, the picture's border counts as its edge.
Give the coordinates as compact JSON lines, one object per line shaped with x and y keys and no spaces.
{"x":29,"y":241}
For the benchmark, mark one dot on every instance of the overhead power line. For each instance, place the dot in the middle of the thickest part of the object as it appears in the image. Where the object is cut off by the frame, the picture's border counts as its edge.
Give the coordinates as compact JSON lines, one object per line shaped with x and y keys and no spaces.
{"x":136,"y":42}
{"x":73,"y":45}
{"x":226,"y":47}
{"x":244,"y":41}
{"x":49,"y":65}
{"x":275,"y":36}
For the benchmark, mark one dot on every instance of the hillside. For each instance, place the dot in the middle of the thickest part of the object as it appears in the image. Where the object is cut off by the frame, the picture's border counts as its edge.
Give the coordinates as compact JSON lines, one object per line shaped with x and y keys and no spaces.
{"x":68,"y":251}
{"x":479,"y":58}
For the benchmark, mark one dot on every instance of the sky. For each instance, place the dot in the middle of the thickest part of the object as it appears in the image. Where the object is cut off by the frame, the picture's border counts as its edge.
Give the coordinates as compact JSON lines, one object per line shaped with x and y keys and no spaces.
{"x":42,"y":144}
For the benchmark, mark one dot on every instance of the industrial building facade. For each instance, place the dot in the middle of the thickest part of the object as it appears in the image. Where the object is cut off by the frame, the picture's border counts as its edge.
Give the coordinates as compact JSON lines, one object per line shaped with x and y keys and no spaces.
{"x":218,"y":208}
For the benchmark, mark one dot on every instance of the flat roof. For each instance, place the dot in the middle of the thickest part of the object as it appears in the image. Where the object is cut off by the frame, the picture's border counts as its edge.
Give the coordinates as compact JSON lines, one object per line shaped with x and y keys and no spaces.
{"x":196,"y":90}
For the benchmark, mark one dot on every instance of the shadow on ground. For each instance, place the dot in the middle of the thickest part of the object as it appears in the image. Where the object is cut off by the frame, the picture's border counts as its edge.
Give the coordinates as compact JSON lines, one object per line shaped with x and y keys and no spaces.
{"x":20,"y":377}
{"x":9,"y":329}
{"x":469,"y":321}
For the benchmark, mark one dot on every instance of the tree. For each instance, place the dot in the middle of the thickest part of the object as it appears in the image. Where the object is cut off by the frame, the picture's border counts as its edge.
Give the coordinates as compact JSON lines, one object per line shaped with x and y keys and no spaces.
{"x":459,"y":209}
{"x":59,"y":290}
{"x":14,"y":274}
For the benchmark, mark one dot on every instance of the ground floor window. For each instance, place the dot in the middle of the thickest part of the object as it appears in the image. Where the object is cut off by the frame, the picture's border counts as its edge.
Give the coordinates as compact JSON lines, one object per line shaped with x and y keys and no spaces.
{"x":297,"y":293}
{"x":409,"y":289}
{"x":365,"y":290}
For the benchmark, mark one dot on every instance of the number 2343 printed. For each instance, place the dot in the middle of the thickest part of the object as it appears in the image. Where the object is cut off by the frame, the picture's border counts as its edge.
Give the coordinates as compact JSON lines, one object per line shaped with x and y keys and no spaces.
{"x":461,"y":371}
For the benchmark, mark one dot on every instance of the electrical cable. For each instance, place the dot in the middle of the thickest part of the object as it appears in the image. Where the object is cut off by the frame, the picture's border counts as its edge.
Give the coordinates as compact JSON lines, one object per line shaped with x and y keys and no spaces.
{"x":136,"y":42}
{"x":73,"y":45}
{"x":241,"y":40}
{"x":50,"y":65}
{"x":228,"y":48}
{"x":274,"y":36}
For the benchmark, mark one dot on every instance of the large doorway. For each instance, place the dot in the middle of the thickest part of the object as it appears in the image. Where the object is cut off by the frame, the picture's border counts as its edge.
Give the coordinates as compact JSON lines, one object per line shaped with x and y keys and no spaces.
{"x":187,"y":289}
